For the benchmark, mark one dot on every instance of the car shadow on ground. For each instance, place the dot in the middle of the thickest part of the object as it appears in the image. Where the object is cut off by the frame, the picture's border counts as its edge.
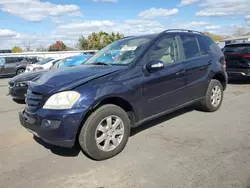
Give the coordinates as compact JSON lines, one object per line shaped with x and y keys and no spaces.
{"x":73,"y":152}
{"x":161,"y":119}
{"x":65,"y":152}
{"x":239,"y":81}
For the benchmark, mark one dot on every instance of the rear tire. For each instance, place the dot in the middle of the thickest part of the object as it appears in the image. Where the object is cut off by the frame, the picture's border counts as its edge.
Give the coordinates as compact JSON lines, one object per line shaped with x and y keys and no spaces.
{"x":106,"y":123}
{"x":214,"y":97}
{"x":20,"y":71}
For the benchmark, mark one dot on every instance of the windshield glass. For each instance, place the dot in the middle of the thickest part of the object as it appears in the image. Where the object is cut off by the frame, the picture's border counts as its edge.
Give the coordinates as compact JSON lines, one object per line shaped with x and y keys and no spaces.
{"x":121,"y":52}
{"x":44,"y":61}
{"x":70,"y":61}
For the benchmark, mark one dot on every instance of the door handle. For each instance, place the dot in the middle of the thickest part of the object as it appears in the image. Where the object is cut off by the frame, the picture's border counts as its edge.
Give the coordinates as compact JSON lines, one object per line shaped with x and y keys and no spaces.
{"x":181,"y":72}
{"x":205,"y":66}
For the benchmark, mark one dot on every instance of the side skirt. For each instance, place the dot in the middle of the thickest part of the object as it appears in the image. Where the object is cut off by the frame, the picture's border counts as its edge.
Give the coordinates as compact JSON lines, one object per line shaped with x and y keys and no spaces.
{"x":167,"y":112}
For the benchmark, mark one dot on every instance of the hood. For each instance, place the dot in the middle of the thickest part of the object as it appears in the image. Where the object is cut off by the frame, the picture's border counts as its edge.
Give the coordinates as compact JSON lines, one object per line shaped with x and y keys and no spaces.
{"x":62,"y":79}
{"x":27,"y":76}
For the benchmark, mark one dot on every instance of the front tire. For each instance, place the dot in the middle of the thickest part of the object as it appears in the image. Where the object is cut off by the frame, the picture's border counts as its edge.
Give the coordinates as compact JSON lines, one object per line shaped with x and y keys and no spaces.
{"x":214,"y":97}
{"x":105,"y":133}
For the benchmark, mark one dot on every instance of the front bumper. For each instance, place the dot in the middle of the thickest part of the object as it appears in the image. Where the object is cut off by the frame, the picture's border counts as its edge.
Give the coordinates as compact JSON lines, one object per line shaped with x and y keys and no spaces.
{"x":18,"y":92}
{"x":64,"y":135}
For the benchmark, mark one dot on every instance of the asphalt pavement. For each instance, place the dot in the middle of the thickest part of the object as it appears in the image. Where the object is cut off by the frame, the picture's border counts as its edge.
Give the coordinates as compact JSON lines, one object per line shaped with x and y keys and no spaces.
{"x":187,"y":149}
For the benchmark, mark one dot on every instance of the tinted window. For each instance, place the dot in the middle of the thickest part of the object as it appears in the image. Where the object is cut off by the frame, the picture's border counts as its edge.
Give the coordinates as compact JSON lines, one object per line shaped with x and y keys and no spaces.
{"x":44,"y":61}
{"x":190,"y":45}
{"x":210,"y":44}
{"x":166,"y":50}
{"x":204,"y":48}
{"x":32,"y":59}
{"x":13,"y":59}
{"x":237,"y":49}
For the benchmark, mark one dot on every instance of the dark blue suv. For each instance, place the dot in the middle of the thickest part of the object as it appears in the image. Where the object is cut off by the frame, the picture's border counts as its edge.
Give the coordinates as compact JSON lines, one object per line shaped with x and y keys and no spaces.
{"x":95,"y":105}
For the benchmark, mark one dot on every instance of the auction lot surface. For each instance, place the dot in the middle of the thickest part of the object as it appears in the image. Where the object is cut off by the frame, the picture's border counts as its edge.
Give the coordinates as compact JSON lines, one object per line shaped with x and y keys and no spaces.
{"x":185,"y":149}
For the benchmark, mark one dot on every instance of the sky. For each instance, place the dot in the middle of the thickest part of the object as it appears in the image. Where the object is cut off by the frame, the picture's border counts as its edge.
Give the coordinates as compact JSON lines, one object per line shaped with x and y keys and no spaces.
{"x":42,"y":22}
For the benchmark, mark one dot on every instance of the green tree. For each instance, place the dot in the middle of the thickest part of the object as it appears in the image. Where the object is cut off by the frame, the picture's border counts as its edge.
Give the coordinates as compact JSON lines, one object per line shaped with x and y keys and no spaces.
{"x":58,"y":46}
{"x":82,"y":43}
{"x":96,"y":41}
{"x":16,"y":49}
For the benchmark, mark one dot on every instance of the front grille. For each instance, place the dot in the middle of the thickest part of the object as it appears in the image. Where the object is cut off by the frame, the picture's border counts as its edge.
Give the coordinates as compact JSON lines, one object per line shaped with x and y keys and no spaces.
{"x":33,"y":100}
{"x":12,"y":84}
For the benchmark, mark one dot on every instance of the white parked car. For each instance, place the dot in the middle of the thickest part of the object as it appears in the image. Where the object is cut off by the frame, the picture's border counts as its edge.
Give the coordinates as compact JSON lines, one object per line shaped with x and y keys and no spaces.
{"x":42,"y":65}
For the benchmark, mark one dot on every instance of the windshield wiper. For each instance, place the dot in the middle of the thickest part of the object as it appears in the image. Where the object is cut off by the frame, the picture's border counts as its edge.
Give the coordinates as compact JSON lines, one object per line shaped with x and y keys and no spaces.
{"x":100,"y":63}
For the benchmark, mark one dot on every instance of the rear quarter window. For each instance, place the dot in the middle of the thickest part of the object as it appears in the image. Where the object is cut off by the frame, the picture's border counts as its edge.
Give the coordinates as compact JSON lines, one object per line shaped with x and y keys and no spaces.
{"x":210,"y":45}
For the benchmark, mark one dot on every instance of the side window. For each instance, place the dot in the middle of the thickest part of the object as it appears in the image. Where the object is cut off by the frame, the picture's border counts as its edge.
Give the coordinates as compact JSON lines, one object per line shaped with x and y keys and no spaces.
{"x":8,"y":60}
{"x":166,"y":50}
{"x":2,"y":61}
{"x":204,"y":47}
{"x":190,"y":45}
{"x":11,"y":60}
{"x":21,"y":59}
{"x":211,"y":45}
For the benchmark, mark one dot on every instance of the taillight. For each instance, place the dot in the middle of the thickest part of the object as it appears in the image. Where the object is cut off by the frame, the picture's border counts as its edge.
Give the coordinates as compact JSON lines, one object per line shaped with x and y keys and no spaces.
{"x":223,"y":62}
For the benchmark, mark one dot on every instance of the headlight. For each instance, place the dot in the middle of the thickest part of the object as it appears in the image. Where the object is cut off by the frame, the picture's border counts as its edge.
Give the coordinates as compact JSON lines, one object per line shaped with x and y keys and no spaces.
{"x":61,"y":101}
{"x":21,"y":84}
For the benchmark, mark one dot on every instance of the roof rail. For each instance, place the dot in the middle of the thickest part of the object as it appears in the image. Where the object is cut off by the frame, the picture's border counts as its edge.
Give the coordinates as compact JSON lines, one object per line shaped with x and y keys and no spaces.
{"x":125,"y":37}
{"x":186,"y":30}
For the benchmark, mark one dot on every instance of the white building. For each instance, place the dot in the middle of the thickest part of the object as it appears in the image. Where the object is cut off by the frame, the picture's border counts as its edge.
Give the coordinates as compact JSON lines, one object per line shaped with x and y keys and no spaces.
{"x":57,"y":54}
{"x":222,"y":43}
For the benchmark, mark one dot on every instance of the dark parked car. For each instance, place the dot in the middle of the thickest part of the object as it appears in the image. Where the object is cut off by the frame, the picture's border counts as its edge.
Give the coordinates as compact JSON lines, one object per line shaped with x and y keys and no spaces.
{"x":13,"y":65}
{"x":238,"y":59}
{"x":96,"y":104}
{"x":5,"y":51}
{"x":18,"y":84}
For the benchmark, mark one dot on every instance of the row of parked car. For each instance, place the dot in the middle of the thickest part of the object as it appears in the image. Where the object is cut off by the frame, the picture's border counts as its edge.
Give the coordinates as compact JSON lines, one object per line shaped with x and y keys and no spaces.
{"x":10,"y":66}
{"x":95,"y":102}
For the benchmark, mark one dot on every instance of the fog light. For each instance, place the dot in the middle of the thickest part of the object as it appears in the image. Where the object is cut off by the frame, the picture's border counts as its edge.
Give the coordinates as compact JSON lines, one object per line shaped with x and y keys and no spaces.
{"x":50,"y":124}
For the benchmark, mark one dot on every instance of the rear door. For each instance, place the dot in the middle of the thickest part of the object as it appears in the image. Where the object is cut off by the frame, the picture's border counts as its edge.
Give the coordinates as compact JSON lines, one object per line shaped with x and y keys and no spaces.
{"x":197,"y":62}
{"x":11,"y":65}
{"x":237,"y":56}
{"x":164,"y":89}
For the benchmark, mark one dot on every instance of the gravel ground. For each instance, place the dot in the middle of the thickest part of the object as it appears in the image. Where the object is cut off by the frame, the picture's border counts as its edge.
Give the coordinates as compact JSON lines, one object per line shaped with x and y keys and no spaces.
{"x":185,"y":149}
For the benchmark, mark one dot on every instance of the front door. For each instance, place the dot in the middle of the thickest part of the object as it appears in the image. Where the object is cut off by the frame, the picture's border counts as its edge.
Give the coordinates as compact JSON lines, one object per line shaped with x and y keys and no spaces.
{"x":164,"y":89}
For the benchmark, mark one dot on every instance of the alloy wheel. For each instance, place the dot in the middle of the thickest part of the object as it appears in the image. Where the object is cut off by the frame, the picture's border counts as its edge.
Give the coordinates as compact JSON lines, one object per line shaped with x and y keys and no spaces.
{"x":109,"y":133}
{"x":216,"y":96}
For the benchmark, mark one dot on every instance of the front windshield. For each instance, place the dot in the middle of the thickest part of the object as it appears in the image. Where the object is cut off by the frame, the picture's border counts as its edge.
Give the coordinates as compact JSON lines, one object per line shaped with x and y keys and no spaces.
{"x":121,"y":52}
{"x":70,"y":61}
{"x":44,"y":61}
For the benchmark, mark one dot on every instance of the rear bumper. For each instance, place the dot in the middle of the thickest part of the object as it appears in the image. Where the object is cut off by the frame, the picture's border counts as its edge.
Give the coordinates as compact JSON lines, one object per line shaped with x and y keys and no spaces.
{"x":61,"y":133}
{"x":238,"y":72}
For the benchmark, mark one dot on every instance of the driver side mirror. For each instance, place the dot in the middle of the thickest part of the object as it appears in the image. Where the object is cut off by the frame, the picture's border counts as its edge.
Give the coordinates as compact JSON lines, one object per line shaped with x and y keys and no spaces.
{"x":154,"y":65}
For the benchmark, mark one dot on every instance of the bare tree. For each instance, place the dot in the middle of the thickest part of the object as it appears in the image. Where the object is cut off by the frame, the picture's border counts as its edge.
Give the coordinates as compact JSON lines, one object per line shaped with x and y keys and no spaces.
{"x":27,"y":45}
{"x":41,"y":48}
{"x":240,"y":31}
